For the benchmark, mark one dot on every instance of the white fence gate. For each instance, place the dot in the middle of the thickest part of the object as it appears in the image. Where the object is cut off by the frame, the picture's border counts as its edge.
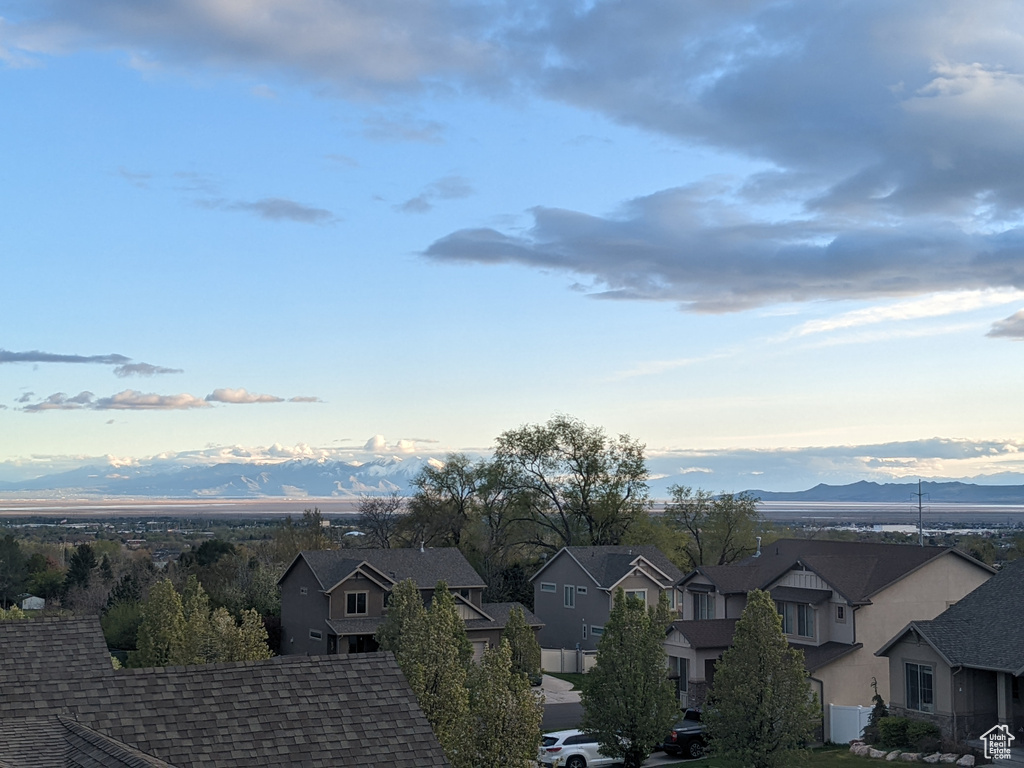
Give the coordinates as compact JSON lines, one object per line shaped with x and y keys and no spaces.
{"x":566,"y":660}
{"x":847,"y":723}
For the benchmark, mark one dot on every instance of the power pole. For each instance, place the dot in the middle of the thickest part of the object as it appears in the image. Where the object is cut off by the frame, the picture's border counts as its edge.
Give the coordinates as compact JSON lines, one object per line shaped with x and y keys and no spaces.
{"x":920,"y":515}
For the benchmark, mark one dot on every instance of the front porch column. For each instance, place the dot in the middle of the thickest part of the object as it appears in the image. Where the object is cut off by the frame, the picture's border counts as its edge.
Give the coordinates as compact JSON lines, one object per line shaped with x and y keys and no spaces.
{"x":1004,"y":698}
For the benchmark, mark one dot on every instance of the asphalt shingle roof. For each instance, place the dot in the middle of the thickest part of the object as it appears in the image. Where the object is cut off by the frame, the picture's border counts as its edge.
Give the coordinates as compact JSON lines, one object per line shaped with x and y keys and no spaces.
{"x":426,"y":567}
{"x":856,"y":569}
{"x":984,"y":630}
{"x":61,"y":703}
{"x":609,"y":564}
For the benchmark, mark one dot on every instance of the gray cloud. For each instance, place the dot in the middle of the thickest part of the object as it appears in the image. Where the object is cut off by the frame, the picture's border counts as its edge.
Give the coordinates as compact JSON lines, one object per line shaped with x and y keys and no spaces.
{"x":273,"y":208}
{"x":304,"y":399}
{"x":36,"y":356}
{"x":241,"y":395}
{"x":61,"y":402}
{"x":357,"y":49}
{"x":446,"y":188}
{"x":884,"y":137}
{"x":143,"y":369}
{"x":1010,"y":328}
{"x":680,"y":245}
{"x":131,"y":400}
{"x":138,"y":179}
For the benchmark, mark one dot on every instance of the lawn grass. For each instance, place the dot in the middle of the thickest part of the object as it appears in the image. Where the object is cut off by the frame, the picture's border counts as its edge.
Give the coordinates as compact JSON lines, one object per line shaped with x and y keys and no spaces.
{"x":823,"y":757}
{"x":576,"y":678}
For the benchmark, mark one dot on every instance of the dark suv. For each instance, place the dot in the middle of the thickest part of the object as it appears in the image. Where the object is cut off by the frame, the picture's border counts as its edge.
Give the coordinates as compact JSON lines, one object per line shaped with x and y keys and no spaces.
{"x":687,"y":737}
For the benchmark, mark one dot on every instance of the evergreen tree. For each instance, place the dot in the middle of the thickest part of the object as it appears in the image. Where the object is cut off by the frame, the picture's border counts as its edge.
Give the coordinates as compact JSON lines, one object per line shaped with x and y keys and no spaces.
{"x":760,"y":709}
{"x":523,"y":644}
{"x":13,"y":571}
{"x":507,"y":715}
{"x":253,"y":638}
{"x":405,"y":610}
{"x":434,"y":655}
{"x":161,"y":637}
{"x":80,"y":568}
{"x":199,"y":641}
{"x":628,"y":701}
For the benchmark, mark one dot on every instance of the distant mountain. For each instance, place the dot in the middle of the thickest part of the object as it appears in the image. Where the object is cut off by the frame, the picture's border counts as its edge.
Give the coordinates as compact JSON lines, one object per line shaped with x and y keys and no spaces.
{"x":888,"y":493}
{"x":303,"y":477}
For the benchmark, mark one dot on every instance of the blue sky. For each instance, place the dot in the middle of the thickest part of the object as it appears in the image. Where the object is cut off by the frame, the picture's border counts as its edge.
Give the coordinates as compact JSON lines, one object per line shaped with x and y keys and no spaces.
{"x":777,"y":242}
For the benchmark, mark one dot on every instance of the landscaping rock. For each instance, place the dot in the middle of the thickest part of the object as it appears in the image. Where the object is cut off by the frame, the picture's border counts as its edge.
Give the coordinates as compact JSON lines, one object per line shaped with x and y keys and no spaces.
{"x":854,"y":744}
{"x":876,"y":753}
{"x":949,"y":757}
{"x":861,"y":750}
{"x":894,"y":755}
{"x":910,"y":757}
{"x":967,"y":761}
{"x":932,"y":759}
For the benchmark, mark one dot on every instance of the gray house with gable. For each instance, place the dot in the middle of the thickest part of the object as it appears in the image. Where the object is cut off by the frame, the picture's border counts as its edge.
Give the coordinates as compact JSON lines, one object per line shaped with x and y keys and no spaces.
{"x":333,"y":601}
{"x":574,"y":590}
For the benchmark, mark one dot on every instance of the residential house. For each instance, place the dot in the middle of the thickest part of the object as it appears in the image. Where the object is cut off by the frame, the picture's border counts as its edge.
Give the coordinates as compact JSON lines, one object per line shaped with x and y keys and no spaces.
{"x":840,"y":601}
{"x":333,"y":601}
{"x":64,"y":704}
{"x":964,"y":669}
{"x":574,"y":590}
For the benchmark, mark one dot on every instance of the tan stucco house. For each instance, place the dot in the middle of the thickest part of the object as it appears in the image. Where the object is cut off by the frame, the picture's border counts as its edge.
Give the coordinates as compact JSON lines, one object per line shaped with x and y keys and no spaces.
{"x":839,"y":602}
{"x":964,"y":669}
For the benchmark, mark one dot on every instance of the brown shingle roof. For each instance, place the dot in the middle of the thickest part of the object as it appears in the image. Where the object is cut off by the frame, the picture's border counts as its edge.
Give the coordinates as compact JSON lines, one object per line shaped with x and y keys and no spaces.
{"x":296,"y":710}
{"x":856,"y":569}
{"x":426,"y":568}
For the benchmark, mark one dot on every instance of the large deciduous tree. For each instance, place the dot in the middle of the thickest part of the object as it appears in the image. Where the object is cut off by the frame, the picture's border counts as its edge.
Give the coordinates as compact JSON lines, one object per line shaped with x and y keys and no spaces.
{"x":161,"y":635}
{"x":628,"y":701}
{"x":720,"y":529}
{"x":379,"y":517}
{"x":580,"y":486}
{"x":760,"y":708}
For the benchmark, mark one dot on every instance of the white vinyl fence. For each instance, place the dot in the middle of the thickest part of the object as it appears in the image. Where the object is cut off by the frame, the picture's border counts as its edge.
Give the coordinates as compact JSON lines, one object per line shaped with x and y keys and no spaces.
{"x":847,"y":723}
{"x":566,"y":660}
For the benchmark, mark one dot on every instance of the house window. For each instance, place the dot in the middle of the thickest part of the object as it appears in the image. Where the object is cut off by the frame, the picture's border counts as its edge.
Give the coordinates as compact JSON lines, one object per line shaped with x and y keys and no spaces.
{"x":570,"y":596}
{"x":703,"y":605}
{"x":581,"y":590}
{"x":596,"y":631}
{"x":303,"y":591}
{"x":547,"y":586}
{"x":584,"y":631}
{"x":640,"y":593}
{"x":920,"y":695}
{"x":315,"y":634}
{"x":464,"y":593}
{"x":678,"y":667}
{"x":671,"y":595}
{"x":841,"y":614}
{"x":355,"y":603}
{"x":797,"y":619}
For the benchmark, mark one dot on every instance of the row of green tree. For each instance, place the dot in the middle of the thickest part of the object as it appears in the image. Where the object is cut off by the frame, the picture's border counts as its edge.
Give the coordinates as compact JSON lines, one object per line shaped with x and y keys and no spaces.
{"x":760,"y":711}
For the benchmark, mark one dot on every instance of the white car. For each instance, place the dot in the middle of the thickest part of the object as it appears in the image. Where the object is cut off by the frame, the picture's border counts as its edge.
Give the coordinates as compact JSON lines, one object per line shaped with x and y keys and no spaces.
{"x":570,"y":749}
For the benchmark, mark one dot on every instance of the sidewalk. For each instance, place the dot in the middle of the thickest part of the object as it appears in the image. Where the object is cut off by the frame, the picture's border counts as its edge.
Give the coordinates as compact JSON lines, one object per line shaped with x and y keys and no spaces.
{"x":558,"y":691}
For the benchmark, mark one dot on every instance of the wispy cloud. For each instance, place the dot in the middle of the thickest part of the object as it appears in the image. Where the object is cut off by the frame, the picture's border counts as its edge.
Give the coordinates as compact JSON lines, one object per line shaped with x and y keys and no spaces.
{"x":1010,"y":328}
{"x":133,"y":400}
{"x":273,"y":209}
{"x":143,"y":369}
{"x":304,"y":399}
{"x":937,"y":305}
{"x":36,"y":356}
{"x":240,"y":396}
{"x":446,"y":188}
{"x":403,"y":128}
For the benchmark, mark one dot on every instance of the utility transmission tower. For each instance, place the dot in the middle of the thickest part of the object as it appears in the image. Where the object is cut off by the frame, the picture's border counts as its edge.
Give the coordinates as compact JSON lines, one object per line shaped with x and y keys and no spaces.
{"x":920,"y":515}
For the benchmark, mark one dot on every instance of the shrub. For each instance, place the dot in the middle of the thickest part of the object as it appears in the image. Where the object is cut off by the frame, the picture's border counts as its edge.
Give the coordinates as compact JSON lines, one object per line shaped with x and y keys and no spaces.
{"x":923,"y":736}
{"x":892,"y":731}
